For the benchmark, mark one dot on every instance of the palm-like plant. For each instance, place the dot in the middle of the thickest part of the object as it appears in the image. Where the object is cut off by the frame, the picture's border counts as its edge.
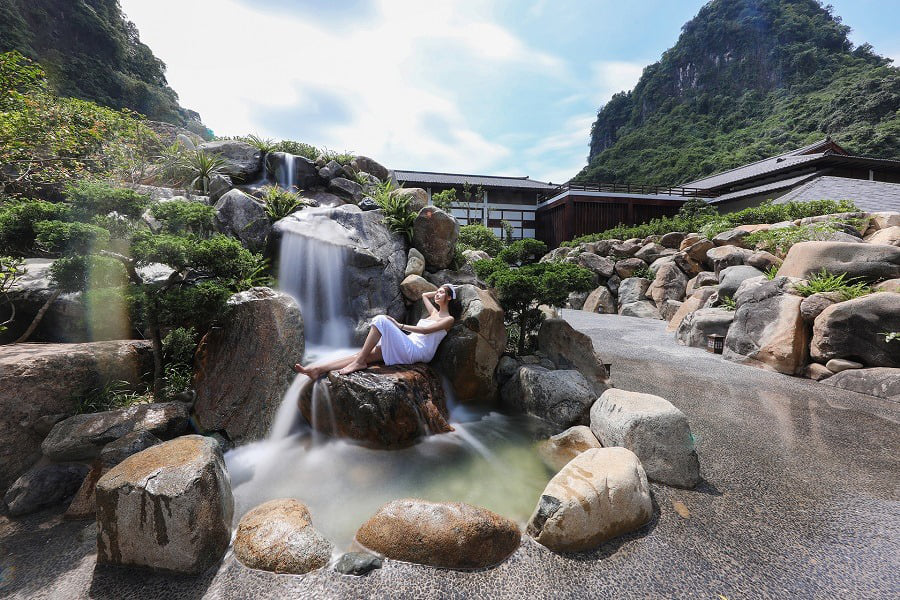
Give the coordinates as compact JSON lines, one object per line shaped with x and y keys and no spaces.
{"x":202,"y":167}
{"x":264,"y":145}
{"x":280,"y":203}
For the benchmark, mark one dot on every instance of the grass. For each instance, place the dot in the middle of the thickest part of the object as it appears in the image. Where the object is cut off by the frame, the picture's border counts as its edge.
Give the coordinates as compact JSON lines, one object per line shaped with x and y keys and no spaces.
{"x":109,"y":396}
{"x":281,"y":203}
{"x":644,"y":272}
{"x":779,"y":241}
{"x":398,"y":217}
{"x":728,"y":303}
{"x":772,"y":272}
{"x":823,"y":281}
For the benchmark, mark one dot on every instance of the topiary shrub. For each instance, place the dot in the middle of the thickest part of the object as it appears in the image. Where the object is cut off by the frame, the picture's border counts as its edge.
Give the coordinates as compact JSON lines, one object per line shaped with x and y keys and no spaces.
{"x":89,"y":198}
{"x":479,"y":237}
{"x":17,"y":220}
{"x":181,"y":216}
{"x":59,"y":237}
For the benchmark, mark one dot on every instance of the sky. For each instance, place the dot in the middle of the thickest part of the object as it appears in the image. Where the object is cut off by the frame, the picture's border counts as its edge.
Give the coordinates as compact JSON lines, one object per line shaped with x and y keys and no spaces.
{"x":499,"y":87}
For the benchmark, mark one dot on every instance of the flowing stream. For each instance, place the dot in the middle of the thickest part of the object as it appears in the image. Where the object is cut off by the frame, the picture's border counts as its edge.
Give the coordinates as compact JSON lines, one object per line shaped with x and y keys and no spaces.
{"x":489,"y":460}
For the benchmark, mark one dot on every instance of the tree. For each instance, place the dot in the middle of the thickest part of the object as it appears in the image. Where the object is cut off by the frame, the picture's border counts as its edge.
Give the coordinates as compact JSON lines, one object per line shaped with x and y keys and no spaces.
{"x":11,"y":270}
{"x":444,"y":199}
{"x":523,"y":285}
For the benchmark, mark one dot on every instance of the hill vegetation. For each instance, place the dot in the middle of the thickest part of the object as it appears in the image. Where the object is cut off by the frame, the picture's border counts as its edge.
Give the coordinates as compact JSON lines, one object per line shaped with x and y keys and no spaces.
{"x":747,"y":79}
{"x":90,"y":51}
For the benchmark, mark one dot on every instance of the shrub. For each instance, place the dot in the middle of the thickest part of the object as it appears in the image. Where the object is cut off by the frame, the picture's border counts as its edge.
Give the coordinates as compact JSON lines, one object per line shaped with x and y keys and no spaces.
{"x":281,"y":203}
{"x":524,"y":251}
{"x":823,"y":281}
{"x":201,"y":167}
{"x":297,"y":149}
{"x":779,"y":241}
{"x":89,"y":198}
{"x":17,"y":220}
{"x":711,"y":223}
{"x":80,"y":273}
{"x":181,"y":216}
{"x":479,"y":237}
{"x":521,"y":290}
{"x":398,"y":217}
{"x":444,"y":201}
{"x":70,"y":238}
{"x":198,"y":305}
{"x":219,"y":256}
{"x":342,"y":158}
{"x":264,"y":145}
{"x":728,"y":303}
{"x":11,"y":270}
{"x":179,"y":345}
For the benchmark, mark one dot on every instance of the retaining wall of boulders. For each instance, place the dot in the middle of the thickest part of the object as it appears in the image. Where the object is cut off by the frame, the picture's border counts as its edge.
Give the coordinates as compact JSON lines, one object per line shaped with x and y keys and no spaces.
{"x":722,"y":286}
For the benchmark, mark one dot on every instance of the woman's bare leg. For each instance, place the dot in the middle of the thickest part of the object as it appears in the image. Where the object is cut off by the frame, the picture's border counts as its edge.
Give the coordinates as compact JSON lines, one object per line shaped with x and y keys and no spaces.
{"x":370,"y":353}
{"x":361,"y":361}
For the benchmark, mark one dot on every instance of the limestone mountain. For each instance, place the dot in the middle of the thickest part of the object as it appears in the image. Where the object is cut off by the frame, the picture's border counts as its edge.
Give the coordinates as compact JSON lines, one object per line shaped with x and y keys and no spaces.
{"x":747,"y":79}
{"x":90,"y":51}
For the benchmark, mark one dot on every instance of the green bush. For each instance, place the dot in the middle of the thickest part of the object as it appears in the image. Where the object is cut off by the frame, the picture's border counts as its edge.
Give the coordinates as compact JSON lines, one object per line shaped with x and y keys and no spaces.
{"x":181,"y":216}
{"x":70,"y":238}
{"x":711,"y":224}
{"x":824,"y":281}
{"x":11,"y":270}
{"x":479,"y":237}
{"x":197,"y":306}
{"x":779,"y":241}
{"x":297,"y":149}
{"x":398,"y":216}
{"x":17,"y":220}
{"x":645,"y":272}
{"x":218,"y":256}
{"x":179,"y":345}
{"x":521,"y":290}
{"x":444,"y":200}
{"x":80,"y":273}
{"x":524,"y":251}
{"x":281,"y":203}
{"x":89,"y":198}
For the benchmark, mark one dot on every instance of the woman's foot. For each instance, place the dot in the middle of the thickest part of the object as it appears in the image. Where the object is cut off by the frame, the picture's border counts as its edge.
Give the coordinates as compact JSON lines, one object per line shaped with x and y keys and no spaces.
{"x":298,"y":368}
{"x":356,"y":365}
{"x":311,"y":372}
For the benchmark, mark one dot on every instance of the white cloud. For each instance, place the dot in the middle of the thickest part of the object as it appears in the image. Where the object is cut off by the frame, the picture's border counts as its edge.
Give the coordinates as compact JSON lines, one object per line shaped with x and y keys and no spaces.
{"x":252,"y":65}
{"x":610,"y":77}
{"x":560,"y":156}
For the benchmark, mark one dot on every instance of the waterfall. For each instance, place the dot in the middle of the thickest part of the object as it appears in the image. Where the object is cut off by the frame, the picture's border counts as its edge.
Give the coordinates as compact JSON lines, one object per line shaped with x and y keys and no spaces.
{"x":312,"y":270}
{"x":285,"y":174}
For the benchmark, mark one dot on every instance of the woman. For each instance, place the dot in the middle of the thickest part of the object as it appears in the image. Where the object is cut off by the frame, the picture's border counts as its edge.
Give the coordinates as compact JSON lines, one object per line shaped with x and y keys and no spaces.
{"x":396,"y":347}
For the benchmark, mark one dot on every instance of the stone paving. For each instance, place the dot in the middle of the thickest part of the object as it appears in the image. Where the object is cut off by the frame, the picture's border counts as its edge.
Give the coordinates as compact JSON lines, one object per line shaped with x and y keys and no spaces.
{"x":801,"y":500}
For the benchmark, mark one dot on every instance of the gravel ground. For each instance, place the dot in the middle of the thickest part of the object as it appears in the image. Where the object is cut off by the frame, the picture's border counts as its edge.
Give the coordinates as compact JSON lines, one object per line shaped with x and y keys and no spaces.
{"x":801,"y":499}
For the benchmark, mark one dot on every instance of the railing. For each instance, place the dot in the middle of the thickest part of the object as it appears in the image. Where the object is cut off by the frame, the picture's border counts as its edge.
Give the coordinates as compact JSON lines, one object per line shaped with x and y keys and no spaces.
{"x":627,"y":188}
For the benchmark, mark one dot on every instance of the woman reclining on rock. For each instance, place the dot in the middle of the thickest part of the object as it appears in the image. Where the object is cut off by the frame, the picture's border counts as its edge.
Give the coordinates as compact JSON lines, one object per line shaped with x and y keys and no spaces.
{"x":397,"y":348}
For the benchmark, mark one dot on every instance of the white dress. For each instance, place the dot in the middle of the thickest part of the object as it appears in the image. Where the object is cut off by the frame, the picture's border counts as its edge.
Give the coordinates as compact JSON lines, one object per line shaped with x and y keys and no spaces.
{"x":397,"y":348}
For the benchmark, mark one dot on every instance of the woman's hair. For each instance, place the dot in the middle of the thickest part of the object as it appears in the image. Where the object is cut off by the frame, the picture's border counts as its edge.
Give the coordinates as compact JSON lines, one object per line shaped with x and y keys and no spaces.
{"x":454,"y":304}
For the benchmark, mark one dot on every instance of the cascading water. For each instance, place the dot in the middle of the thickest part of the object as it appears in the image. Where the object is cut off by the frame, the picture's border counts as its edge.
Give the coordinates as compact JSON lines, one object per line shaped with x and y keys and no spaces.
{"x":489,"y":460}
{"x":285,"y":172}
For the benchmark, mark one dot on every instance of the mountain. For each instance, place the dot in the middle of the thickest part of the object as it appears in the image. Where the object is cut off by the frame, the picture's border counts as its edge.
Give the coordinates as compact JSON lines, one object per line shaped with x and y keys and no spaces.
{"x":90,"y":51}
{"x":747,"y":79}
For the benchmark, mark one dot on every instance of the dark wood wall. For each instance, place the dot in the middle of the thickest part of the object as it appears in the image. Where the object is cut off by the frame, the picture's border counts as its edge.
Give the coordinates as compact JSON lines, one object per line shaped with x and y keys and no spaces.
{"x":572,"y":215}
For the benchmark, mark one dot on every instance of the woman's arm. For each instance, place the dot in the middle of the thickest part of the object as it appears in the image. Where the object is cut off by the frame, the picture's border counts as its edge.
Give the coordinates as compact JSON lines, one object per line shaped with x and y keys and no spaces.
{"x":429,"y":305}
{"x":445,"y":323}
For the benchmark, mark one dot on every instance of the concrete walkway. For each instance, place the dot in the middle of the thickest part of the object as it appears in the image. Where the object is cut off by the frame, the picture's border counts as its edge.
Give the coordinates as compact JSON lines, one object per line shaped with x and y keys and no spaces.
{"x":801,"y":500}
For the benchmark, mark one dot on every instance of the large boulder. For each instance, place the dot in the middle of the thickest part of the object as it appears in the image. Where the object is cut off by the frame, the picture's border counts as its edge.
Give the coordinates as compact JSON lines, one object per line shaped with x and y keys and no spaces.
{"x":882,"y":382}
{"x":627,"y":267}
{"x":571,"y":349}
{"x":374,"y":258}
{"x":697,"y":326}
{"x":434,"y":235}
{"x":889,"y":235}
{"x":468,"y":356}
{"x":369,"y":165}
{"x":417,"y":198}
{"x":768,"y":329}
{"x":445,"y":535}
{"x":722,"y":257}
{"x":168,"y":508}
{"x":413,"y":286}
{"x":599,"y":265}
{"x":696,"y":301}
{"x":347,"y":189}
{"x":562,"y":398}
{"x":731,"y":278}
{"x":415,"y":263}
{"x":651,"y":427}
{"x":866,"y":261}
{"x":854,"y":330}
{"x":650,"y":252}
{"x":44,"y":486}
{"x":669,"y":284}
{"x":245,"y":218}
{"x":557,"y":451}
{"x":600,"y":300}
{"x":82,"y":437}
{"x":600,"y":494}
{"x":38,"y":381}
{"x":296,"y":171}
{"x":813,"y":305}
{"x":243,"y":367}
{"x":380,"y":407}
{"x":633,"y":289}
{"x":643,"y":309}
{"x":279,"y":536}
{"x":243,"y":162}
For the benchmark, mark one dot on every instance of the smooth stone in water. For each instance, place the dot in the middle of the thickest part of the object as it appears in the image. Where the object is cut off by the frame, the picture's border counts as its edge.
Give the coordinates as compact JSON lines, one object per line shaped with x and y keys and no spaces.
{"x":600,"y":494}
{"x":278,"y":536}
{"x":557,"y":451}
{"x":449,"y":535}
{"x":836,"y":365}
{"x":357,"y":563}
{"x":562,"y":398}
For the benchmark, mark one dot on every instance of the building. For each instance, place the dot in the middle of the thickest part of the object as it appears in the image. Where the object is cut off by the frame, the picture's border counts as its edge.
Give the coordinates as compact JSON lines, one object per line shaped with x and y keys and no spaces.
{"x":494,"y":199}
{"x":824,"y":170}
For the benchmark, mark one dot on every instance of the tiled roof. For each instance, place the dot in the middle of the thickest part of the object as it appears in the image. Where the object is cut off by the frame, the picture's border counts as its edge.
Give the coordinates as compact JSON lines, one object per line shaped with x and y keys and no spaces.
{"x":760,"y":167}
{"x":762,"y":189}
{"x":870,"y":196}
{"x":488,"y":181}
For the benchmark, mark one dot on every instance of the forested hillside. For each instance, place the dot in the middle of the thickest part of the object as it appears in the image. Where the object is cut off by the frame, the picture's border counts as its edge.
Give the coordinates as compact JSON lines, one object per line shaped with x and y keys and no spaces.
{"x":90,"y":51}
{"x":747,"y":79}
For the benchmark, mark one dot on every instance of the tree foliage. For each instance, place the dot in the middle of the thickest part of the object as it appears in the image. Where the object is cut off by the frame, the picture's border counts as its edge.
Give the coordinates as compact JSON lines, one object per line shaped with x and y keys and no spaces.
{"x":747,"y":79}
{"x":479,"y":237}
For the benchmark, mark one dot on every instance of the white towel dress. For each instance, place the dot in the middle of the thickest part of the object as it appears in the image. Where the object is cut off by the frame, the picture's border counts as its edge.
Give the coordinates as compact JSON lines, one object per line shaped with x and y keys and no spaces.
{"x":397,"y":348}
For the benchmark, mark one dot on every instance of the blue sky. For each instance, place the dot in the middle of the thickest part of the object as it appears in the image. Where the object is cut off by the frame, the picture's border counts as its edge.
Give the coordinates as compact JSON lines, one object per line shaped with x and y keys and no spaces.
{"x":472,"y":86}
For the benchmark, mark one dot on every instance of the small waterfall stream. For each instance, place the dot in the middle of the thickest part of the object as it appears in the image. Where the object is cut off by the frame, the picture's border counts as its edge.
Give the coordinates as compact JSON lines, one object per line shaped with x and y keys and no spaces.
{"x":489,"y":460}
